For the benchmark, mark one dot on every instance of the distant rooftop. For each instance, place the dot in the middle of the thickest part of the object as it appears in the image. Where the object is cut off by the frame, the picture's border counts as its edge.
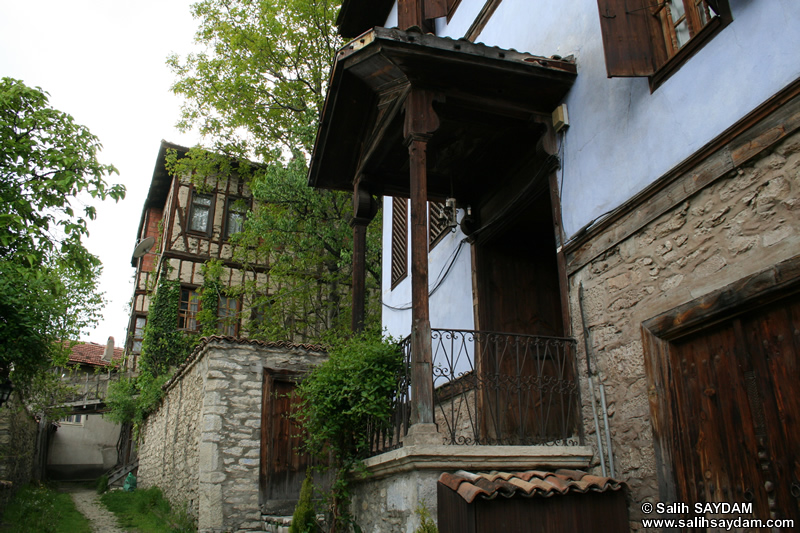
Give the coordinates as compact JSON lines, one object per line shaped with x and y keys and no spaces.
{"x":91,"y":353}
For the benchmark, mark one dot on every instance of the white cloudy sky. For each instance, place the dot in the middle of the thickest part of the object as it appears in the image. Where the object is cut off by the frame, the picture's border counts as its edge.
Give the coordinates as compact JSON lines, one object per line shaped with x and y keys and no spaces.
{"x":103,"y":62}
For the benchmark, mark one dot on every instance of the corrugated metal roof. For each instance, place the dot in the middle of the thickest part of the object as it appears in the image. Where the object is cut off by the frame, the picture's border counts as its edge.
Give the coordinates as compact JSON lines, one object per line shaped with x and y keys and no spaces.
{"x":90,"y":353}
{"x":529,"y":484}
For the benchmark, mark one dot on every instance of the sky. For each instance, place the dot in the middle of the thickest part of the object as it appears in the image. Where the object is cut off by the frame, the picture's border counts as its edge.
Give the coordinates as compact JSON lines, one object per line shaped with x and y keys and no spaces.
{"x":103,"y":62}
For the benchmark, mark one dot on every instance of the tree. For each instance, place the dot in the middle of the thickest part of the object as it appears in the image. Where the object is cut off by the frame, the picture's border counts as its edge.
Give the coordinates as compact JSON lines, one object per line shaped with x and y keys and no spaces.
{"x":256,"y":92}
{"x":48,"y":279}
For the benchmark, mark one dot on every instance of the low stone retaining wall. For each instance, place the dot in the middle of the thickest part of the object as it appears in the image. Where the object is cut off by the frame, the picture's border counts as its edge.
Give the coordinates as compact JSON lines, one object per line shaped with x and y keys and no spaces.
{"x":202,"y":445}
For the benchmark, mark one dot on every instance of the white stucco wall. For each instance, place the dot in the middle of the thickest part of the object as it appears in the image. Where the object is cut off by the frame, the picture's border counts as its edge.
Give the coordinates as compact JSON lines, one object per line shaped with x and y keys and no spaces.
{"x":452,"y":300}
{"x":621,"y":136}
{"x":92,"y":443}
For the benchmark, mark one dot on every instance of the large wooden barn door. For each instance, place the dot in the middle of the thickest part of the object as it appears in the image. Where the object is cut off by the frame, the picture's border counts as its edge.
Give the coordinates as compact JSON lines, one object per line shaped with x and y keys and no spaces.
{"x":734,"y":415}
{"x":283,"y":466}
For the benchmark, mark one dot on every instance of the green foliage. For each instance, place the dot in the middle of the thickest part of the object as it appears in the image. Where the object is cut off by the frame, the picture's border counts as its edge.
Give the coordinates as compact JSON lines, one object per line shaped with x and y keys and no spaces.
{"x":131,"y":400}
{"x":102,"y":484}
{"x":163,"y":344}
{"x":147,"y":510}
{"x":340,"y":400}
{"x":426,"y":522}
{"x":351,"y":391}
{"x":304,"y":519}
{"x":256,"y":93}
{"x":38,"y":509}
{"x":48,"y":280}
{"x":210,"y":292}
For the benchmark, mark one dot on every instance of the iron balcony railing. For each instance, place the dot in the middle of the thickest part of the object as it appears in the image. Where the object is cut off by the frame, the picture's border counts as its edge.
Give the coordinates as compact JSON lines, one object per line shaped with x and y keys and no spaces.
{"x":493,"y":389}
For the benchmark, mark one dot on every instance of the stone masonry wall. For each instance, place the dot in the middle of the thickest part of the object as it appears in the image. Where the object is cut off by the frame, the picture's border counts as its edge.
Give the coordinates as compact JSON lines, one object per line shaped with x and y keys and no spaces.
{"x":17,"y":447}
{"x":389,"y":505}
{"x":214,"y":459}
{"x":170,"y":440}
{"x":739,"y":225}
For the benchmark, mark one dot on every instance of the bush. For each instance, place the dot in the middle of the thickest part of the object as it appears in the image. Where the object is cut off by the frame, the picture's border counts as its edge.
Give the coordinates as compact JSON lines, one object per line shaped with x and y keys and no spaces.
{"x":304,"y":519}
{"x":340,"y":401}
{"x":349,"y":393}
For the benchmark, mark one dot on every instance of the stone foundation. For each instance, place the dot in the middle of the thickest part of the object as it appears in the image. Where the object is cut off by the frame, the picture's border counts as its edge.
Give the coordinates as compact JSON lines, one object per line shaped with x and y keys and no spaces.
{"x":403,"y":480}
{"x":741,"y":223}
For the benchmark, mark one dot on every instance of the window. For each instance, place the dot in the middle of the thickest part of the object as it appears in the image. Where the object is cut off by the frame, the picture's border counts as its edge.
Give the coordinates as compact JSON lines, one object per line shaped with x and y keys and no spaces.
{"x":200,"y":212}
{"x":654,"y":37}
{"x":437,"y":223}
{"x":187,"y":310}
{"x":138,"y":334}
{"x":399,"y":240}
{"x":76,"y":420}
{"x":228,"y":316}
{"x":235,"y":211}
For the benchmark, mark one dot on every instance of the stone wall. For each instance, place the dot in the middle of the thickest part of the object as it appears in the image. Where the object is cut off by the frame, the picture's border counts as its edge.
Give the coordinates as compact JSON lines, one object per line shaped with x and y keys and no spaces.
{"x":203,"y":444}
{"x":740,"y":224}
{"x":389,"y":505}
{"x":170,"y":439}
{"x":17,"y":447}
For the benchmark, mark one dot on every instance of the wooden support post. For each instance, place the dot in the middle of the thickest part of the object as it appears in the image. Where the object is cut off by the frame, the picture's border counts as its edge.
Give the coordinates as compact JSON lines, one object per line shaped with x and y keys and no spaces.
{"x":420,"y":122}
{"x":364,"y":209}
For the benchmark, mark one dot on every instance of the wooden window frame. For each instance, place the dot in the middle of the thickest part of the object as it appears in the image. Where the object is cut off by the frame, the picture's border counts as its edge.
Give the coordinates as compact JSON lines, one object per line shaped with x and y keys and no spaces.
{"x":220,"y":318}
{"x":228,"y":202}
{"x":184,"y":315}
{"x":209,"y":220}
{"x":135,"y":337}
{"x":638,"y":42}
{"x":399,"y":252}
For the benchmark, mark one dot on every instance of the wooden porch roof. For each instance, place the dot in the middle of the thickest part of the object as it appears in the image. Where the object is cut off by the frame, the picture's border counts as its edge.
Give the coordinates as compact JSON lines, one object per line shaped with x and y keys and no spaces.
{"x":493,"y":107}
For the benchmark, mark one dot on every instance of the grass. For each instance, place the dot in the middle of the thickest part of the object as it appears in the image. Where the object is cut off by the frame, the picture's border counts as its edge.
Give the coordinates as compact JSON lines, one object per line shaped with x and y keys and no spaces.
{"x":40,"y":509}
{"x":147,"y":511}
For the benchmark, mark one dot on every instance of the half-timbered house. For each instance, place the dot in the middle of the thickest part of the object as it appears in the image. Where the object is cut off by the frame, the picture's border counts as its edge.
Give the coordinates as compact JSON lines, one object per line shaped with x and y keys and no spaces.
{"x":190,"y":220}
{"x":590,"y":239}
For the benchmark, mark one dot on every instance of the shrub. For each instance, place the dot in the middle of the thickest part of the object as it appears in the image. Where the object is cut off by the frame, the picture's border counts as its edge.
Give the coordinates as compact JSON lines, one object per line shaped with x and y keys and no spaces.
{"x":340,"y":401}
{"x":304,"y":519}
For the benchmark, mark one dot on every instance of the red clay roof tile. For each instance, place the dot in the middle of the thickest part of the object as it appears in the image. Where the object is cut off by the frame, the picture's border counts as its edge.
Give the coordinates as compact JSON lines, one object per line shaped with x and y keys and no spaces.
{"x":90,"y":353}
{"x":529,"y":484}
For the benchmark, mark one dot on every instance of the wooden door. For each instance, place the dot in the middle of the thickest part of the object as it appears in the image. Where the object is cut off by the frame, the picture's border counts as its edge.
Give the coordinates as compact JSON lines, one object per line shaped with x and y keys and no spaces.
{"x":283,"y":464}
{"x":734,"y":412}
{"x":518,"y":294}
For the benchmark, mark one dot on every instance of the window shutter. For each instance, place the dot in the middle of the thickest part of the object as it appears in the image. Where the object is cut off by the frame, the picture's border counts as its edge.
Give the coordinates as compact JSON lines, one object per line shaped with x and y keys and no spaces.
{"x":435,"y":8}
{"x":399,"y":240}
{"x":626,"y":37}
{"x":437,"y":223}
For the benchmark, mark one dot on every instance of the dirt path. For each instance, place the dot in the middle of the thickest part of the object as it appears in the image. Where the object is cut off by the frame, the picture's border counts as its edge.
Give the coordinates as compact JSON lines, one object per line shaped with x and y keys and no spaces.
{"x":87,"y":502}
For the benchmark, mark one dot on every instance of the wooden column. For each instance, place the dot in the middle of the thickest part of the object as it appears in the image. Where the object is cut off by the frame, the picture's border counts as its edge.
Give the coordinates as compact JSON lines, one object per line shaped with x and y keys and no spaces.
{"x":420,"y":122}
{"x":364,"y":209}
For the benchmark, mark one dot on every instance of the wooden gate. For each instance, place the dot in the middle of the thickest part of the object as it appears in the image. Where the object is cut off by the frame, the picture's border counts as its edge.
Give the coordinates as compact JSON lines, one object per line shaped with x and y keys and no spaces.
{"x":283,"y":466}
{"x":726,"y":411}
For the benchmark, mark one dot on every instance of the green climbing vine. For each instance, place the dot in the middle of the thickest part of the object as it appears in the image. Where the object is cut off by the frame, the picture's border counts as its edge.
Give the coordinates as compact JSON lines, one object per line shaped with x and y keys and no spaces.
{"x":164,"y":347}
{"x":210,"y":292}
